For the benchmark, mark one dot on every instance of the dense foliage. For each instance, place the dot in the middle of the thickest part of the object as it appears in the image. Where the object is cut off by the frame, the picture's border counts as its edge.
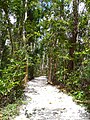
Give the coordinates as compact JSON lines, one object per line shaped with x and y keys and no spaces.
{"x":66,"y":44}
{"x":48,"y":37}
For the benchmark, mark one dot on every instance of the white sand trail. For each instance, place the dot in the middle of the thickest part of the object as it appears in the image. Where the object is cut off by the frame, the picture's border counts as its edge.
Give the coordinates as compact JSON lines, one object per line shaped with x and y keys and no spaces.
{"x":46,"y":102}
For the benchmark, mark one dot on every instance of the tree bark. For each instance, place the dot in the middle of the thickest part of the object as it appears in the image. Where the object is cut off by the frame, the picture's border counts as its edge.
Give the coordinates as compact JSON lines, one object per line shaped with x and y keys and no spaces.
{"x":74,"y":36}
{"x":50,"y":69}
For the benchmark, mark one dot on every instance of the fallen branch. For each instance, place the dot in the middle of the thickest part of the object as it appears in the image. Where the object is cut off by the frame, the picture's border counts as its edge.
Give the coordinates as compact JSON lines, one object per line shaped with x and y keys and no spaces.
{"x":83,"y":102}
{"x":0,"y":116}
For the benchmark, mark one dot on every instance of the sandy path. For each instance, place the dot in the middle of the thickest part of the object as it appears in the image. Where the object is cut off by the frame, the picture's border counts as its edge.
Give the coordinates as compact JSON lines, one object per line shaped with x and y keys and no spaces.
{"x":46,"y":102}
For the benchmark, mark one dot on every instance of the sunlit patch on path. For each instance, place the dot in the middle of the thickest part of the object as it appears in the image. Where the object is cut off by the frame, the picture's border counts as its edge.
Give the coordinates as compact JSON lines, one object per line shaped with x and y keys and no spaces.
{"x":46,"y":102}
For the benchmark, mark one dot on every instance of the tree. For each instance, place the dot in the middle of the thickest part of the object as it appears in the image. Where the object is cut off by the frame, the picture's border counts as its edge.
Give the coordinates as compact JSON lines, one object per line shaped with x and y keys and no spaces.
{"x":47,"y":37}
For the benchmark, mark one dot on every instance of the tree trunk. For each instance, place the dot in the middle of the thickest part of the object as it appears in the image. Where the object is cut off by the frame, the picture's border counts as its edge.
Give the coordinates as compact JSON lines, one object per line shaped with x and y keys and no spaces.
{"x":9,"y":30}
{"x":74,"y":36}
{"x":50,"y":69}
{"x":62,"y":9}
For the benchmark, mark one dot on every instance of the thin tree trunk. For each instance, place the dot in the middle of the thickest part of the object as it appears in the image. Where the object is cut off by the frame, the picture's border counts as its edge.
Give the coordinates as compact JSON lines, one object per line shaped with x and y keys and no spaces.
{"x":24,"y":38}
{"x":50,"y":69}
{"x":62,"y":9}
{"x":5,"y":8}
{"x":9,"y":30}
{"x":10,"y":36}
{"x":54,"y":64}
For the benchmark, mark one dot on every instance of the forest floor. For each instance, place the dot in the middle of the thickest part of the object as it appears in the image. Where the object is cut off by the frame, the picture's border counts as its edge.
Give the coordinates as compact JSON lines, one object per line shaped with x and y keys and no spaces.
{"x":46,"y":102}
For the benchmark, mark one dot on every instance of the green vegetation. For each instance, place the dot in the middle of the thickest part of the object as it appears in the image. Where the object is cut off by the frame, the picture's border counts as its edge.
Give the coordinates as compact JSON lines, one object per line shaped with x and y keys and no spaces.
{"x":11,"y":110}
{"x":46,"y":38}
